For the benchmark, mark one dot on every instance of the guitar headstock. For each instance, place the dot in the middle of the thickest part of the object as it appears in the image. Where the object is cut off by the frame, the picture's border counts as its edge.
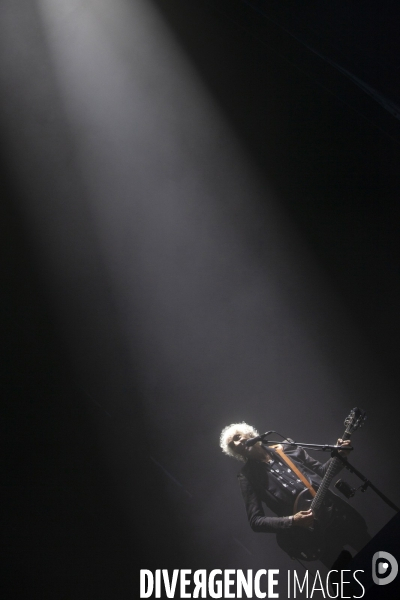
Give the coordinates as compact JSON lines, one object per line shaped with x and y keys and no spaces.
{"x":355,"y":420}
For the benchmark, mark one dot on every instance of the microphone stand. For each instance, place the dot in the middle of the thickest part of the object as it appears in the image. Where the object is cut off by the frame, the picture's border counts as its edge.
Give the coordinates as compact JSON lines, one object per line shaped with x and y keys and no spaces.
{"x":320,"y":447}
{"x":335,"y":454}
{"x":367,"y":482}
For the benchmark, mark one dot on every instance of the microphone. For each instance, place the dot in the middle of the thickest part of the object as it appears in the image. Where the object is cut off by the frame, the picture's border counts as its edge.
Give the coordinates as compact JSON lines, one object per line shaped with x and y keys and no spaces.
{"x":254,"y":440}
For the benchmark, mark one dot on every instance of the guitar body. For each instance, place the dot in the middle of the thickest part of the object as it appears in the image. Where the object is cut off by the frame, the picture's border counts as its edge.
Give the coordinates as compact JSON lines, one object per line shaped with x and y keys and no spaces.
{"x":325,"y":513}
{"x":310,"y":543}
{"x":304,"y":544}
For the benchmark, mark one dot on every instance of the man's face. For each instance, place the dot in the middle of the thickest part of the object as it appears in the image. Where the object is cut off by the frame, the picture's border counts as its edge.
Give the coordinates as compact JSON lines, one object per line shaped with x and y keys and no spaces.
{"x":238,"y":444}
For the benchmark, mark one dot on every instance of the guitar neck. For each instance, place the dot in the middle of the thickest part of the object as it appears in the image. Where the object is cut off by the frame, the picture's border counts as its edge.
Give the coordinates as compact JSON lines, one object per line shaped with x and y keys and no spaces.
{"x":329,"y":475}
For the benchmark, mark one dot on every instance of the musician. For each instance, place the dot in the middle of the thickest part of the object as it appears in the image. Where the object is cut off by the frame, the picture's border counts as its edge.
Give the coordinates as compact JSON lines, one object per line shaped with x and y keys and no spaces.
{"x":265,"y":477}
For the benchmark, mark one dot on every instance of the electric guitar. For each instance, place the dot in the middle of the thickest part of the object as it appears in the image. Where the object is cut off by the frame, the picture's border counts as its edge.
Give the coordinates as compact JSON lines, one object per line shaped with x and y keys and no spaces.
{"x":309,"y":543}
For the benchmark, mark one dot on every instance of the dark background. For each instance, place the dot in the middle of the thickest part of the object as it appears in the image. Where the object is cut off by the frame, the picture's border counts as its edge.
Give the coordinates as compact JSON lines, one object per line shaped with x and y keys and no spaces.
{"x":110,"y":427}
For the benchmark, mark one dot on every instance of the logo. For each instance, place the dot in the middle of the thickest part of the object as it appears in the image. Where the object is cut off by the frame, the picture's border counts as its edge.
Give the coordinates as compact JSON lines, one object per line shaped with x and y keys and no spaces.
{"x":384,"y":568}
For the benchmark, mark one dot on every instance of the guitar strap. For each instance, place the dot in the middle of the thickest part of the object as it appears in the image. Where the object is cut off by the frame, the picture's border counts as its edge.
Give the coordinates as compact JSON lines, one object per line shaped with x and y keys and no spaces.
{"x":279,"y":450}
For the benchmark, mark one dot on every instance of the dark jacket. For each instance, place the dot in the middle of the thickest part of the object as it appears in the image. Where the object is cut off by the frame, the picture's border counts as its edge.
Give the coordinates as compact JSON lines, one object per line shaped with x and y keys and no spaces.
{"x":259,"y":486}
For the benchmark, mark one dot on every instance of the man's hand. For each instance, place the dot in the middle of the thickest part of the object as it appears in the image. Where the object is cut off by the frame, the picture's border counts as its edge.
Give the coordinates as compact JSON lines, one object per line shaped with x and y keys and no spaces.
{"x":343,"y":443}
{"x":304,"y":518}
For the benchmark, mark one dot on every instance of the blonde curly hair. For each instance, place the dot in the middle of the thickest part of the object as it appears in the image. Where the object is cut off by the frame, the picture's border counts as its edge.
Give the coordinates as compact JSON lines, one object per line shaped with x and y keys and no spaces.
{"x":229,"y":432}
